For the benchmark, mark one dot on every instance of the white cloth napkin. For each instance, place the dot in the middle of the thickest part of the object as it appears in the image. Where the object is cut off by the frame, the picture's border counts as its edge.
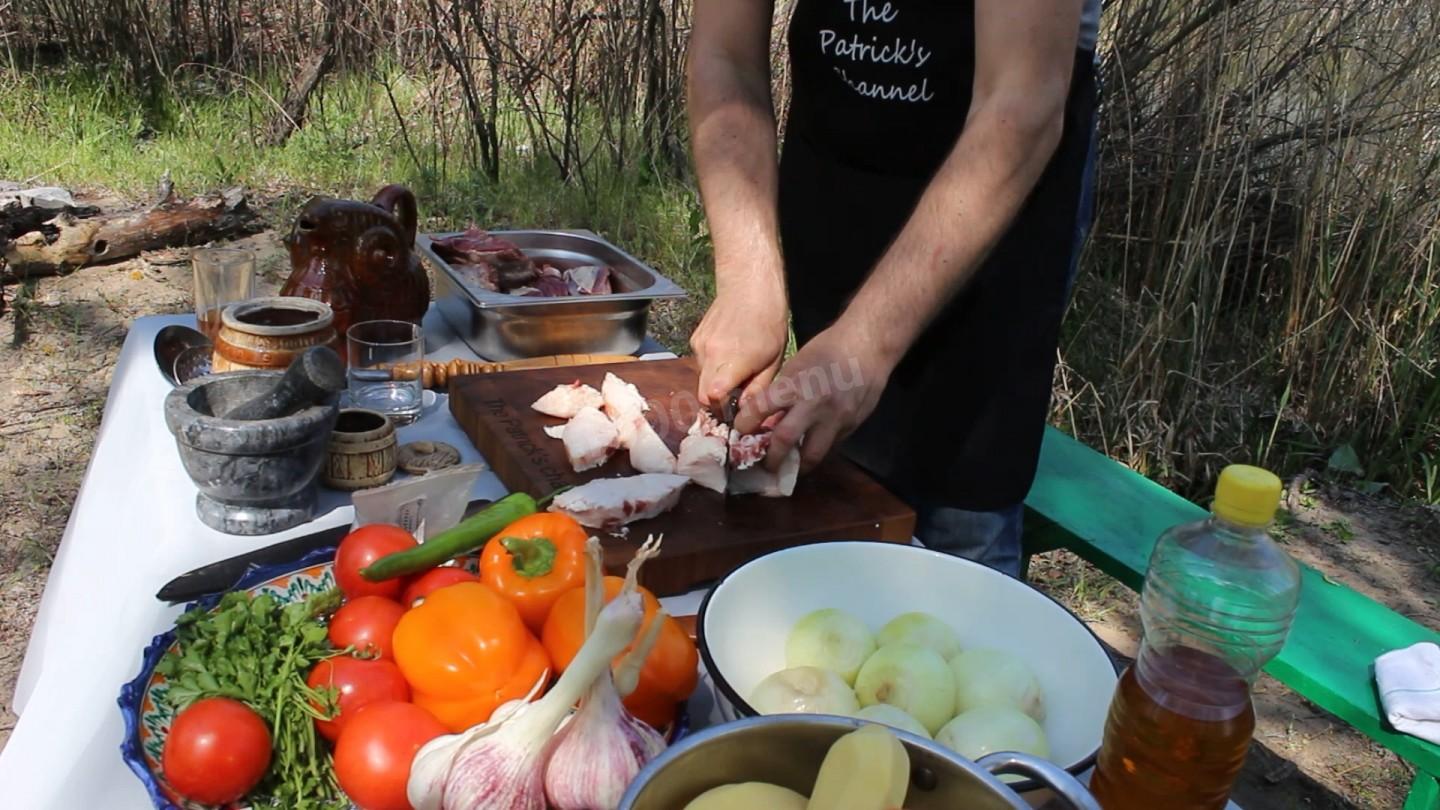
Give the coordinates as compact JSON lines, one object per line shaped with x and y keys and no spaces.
{"x":1409,"y":683}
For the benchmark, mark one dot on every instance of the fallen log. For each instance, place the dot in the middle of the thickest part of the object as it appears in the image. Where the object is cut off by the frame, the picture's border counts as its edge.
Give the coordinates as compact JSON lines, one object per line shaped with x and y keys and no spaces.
{"x":69,"y":240}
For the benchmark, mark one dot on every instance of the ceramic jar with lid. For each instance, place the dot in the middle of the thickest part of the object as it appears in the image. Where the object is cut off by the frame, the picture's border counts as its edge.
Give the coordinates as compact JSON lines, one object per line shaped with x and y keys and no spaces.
{"x":267,"y":333}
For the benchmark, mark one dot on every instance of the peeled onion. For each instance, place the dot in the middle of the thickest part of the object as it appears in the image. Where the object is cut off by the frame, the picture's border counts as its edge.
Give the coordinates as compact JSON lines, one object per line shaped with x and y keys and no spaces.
{"x":987,"y":677}
{"x":912,"y":678}
{"x":893,"y":717}
{"x":804,"y":689}
{"x":829,"y":639}
{"x":923,"y":629}
{"x":988,"y":729}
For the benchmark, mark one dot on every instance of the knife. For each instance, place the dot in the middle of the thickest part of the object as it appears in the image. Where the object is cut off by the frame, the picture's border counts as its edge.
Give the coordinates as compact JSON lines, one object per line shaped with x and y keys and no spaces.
{"x":222,"y":576}
{"x":728,"y":411}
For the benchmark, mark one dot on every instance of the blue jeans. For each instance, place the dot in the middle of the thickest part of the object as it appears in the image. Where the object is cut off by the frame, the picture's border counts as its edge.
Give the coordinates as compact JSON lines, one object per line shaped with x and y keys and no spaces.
{"x":990,"y":538}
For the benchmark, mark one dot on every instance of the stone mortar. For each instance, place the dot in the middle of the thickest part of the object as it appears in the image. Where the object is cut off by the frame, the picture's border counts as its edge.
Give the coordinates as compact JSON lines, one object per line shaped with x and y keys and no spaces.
{"x":254,"y":477}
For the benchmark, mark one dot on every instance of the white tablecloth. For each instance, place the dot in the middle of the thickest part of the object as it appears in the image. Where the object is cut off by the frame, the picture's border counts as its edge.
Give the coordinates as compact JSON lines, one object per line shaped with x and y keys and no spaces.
{"x":132,"y":529}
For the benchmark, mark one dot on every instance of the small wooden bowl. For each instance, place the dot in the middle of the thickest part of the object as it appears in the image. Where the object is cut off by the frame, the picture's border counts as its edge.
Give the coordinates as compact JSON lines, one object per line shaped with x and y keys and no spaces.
{"x":361,"y":450}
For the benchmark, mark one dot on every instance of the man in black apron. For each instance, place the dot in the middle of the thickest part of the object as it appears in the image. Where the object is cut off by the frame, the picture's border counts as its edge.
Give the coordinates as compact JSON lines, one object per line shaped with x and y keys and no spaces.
{"x":920,"y":228}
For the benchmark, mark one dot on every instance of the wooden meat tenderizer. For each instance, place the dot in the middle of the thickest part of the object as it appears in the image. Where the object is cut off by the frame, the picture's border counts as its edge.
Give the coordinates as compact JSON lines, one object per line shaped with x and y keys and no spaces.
{"x":437,"y":375}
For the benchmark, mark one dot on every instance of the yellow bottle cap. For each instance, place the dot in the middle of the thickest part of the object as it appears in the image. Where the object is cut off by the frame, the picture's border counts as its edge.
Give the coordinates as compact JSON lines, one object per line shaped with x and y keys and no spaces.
{"x":1247,"y":495}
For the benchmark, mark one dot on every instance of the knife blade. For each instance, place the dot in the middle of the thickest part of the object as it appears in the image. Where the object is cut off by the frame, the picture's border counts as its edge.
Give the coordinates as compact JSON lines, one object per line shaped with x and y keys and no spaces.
{"x":222,"y":575}
{"x":728,"y":411}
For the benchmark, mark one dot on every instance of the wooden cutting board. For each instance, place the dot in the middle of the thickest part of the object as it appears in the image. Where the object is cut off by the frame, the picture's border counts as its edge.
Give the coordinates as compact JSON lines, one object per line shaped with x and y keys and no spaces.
{"x":706,"y":534}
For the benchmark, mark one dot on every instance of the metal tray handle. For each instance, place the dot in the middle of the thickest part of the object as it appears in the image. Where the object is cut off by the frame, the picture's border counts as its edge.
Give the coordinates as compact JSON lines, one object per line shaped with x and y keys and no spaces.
{"x":1062,"y":784}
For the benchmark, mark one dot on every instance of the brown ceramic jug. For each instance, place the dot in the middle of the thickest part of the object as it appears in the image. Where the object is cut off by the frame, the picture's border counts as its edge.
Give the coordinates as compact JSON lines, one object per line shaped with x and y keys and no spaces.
{"x":359,"y":258}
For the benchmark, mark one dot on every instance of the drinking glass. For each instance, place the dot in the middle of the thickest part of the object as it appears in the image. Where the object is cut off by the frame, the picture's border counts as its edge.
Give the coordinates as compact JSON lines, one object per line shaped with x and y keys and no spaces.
{"x":223,"y":276}
{"x":373,"y":347}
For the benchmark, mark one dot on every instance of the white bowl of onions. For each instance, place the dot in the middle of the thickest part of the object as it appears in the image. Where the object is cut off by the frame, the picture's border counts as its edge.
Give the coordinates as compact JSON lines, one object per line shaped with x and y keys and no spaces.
{"x":948,"y":648}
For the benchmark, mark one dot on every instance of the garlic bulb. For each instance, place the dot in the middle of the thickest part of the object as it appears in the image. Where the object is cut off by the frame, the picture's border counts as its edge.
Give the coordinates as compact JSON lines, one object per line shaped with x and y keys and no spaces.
{"x":499,"y":765}
{"x":599,"y":752}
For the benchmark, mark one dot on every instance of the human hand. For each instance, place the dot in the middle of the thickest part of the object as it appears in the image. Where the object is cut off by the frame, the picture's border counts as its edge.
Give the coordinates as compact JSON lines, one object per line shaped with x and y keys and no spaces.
{"x":740,"y":342}
{"x":825,"y":391}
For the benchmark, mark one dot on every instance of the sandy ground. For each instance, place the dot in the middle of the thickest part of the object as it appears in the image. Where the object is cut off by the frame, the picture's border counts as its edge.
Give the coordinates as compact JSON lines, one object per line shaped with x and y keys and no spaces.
{"x":62,"y":336}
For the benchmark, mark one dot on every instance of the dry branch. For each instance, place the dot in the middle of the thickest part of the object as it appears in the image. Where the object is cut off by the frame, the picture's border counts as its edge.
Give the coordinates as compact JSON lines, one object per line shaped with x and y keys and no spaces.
{"x":69,"y":241}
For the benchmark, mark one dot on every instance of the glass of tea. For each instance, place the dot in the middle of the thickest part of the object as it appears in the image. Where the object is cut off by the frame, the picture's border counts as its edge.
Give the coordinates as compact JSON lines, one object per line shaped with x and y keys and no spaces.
{"x":374,"y":348}
{"x":223,"y":276}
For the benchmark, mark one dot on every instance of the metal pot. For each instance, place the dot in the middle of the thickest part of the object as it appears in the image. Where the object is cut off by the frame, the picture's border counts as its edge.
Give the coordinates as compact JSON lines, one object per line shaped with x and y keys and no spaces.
{"x":787,"y":749}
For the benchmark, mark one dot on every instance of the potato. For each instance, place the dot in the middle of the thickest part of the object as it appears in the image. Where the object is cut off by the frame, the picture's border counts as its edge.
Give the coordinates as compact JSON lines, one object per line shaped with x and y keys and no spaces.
{"x":748,"y":796}
{"x":867,"y":769}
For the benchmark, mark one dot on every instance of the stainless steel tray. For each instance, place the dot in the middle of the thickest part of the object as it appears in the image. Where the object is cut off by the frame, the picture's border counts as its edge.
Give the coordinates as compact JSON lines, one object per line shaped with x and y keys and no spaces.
{"x":498,"y":326}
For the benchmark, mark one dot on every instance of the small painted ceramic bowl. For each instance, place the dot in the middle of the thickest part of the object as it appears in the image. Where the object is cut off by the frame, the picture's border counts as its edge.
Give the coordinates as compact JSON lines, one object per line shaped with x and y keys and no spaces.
{"x":148,"y":714}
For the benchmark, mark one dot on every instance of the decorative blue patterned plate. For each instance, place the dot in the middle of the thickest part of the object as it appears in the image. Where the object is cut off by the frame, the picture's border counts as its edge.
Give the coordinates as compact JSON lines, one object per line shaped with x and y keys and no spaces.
{"x":148,"y":714}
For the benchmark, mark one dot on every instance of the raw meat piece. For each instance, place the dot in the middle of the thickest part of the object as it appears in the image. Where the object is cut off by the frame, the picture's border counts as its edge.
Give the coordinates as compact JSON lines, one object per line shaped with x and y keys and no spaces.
{"x":760,"y":481}
{"x":702,"y":452}
{"x":491,"y":262}
{"x":474,"y":240}
{"x":591,"y":279}
{"x":589,"y":439}
{"x":622,"y":404}
{"x":648,"y":452}
{"x":564,"y":401}
{"x":609,"y":503}
{"x":484,"y":276}
{"x":550,"y":283}
{"x":554,"y":431}
{"x":747,"y":451}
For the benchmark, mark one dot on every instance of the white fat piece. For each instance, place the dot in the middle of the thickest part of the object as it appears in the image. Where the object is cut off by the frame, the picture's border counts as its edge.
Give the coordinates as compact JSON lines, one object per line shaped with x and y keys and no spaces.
{"x":589,"y":439}
{"x":703,"y":459}
{"x":703,"y":451}
{"x":648,"y":452}
{"x":623,"y":404}
{"x":564,"y":401}
{"x":609,"y":503}
{"x":758,"y":480}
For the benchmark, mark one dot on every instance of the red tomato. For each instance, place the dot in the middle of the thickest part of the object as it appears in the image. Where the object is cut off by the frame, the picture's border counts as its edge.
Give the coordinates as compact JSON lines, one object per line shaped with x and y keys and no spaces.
{"x":367,"y":623}
{"x":433,"y":580}
{"x":363,"y":546}
{"x":216,"y":751}
{"x":361,"y":682}
{"x":373,"y":755}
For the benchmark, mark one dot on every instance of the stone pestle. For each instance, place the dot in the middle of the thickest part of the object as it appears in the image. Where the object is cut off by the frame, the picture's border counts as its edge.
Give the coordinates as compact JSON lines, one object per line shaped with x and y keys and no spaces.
{"x":313,"y":375}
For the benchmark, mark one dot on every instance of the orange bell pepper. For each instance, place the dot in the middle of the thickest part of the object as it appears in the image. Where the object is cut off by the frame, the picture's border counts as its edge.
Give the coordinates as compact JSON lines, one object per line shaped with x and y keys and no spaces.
{"x":533,"y":561}
{"x":464,"y":652}
{"x":670,"y":672}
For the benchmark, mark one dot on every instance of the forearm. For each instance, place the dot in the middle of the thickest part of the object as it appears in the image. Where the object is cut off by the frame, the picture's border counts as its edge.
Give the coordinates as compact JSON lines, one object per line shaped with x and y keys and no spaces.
{"x":963,"y":213}
{"x":734,"y":144}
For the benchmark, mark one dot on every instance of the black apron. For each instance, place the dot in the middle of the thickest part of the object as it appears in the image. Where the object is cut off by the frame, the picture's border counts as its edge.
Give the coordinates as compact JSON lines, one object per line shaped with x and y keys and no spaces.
{"x":880,"y":95}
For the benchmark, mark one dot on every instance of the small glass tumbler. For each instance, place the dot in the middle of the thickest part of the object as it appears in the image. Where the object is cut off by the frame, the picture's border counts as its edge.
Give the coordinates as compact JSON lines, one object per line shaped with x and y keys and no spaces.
{"x":375,"y":347}
{"x":223,"y":276}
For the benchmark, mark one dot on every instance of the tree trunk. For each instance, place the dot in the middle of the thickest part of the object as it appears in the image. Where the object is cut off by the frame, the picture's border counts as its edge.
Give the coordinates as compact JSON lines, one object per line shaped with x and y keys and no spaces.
{"x":292,"y":111}
{"x":69,"y":241}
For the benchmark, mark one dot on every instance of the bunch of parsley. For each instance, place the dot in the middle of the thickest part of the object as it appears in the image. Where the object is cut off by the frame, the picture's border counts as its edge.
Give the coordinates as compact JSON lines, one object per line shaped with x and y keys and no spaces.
{"x":259,"y":652}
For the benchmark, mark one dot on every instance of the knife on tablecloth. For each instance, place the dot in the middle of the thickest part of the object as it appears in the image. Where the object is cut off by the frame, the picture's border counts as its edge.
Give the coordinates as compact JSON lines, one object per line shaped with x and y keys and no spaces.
{"x":222,"y":576}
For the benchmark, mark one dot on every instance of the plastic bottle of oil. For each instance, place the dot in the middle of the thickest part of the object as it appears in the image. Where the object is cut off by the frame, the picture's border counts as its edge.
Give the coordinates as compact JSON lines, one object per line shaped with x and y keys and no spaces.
{"x":1218,"y":598}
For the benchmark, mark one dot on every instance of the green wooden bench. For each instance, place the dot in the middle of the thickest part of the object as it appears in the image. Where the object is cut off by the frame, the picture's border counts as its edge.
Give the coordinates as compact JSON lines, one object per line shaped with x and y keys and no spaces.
{"x":1110,"y":515}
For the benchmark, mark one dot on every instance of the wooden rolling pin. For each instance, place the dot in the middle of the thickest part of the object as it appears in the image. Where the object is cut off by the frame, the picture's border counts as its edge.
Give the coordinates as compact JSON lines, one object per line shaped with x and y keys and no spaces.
{"x":436,"y":374}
